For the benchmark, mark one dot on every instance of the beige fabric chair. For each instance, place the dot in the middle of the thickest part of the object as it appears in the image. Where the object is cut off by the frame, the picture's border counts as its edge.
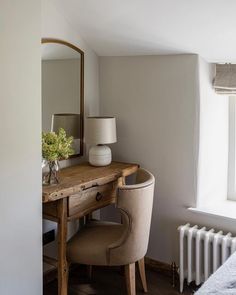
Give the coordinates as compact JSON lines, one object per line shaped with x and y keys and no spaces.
{"x":107,"y":243}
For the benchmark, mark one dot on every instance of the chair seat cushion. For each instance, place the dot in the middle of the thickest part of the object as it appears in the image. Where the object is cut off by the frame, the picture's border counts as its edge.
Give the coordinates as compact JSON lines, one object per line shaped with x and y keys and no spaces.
{"x":90,"y":245}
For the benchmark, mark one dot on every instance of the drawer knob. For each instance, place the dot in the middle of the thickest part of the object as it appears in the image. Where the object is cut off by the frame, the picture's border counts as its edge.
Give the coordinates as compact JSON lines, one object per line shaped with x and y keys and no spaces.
{"x":98,"y":196}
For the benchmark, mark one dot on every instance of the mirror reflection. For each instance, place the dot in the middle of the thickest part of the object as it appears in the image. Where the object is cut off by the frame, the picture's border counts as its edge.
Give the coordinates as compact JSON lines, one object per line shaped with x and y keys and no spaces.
{"x":62,"y":90}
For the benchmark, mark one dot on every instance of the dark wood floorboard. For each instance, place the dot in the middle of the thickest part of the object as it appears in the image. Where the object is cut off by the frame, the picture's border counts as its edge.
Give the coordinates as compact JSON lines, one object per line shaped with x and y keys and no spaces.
{"x":111,"y":281}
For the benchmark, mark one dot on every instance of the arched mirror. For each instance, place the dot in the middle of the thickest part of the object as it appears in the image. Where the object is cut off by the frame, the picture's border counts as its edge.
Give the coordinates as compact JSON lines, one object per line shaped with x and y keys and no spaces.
{"x":63,"y":90}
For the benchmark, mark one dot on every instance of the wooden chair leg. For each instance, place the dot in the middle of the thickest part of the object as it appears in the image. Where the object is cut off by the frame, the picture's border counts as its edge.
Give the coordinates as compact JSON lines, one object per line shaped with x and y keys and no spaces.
{"x":141,"y":265}
{"x":130,"y":279}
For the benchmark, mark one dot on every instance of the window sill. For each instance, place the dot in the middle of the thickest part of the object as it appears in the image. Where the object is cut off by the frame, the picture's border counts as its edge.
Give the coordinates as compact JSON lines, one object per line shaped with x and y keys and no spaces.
{"x":225,"y":209}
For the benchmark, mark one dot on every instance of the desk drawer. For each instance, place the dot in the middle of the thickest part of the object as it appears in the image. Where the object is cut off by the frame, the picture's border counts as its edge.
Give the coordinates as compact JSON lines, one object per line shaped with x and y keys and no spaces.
{"x":91,"y":199}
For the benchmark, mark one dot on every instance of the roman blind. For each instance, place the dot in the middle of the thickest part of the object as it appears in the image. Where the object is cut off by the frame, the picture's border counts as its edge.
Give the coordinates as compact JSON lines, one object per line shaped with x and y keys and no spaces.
{"x":225,"y":79}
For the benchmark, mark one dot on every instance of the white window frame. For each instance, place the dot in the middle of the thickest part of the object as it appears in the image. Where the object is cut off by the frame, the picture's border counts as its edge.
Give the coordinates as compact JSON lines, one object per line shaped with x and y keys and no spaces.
{"x":232,"y":150}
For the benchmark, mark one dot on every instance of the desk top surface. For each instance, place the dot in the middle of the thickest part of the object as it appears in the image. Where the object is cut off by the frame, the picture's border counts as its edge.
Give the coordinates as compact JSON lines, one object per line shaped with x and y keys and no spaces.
{"x":80,"y":177}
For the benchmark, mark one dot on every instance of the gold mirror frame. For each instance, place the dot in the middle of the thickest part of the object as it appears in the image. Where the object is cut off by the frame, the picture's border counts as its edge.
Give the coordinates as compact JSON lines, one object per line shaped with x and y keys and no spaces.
{"x":58,"y":41}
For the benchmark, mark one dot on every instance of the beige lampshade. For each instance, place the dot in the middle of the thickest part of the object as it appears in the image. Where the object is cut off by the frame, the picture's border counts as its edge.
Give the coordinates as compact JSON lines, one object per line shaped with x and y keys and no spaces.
{"x":69,"y":122}
{"x":101,"y":130}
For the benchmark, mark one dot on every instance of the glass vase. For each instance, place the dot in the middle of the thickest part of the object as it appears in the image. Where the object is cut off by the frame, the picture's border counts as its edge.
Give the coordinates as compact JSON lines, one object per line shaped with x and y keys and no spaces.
{"x":51,"y":176}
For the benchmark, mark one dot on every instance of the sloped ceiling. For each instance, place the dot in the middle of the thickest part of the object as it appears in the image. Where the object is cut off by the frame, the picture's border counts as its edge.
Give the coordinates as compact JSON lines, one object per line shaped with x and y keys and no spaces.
{"x":140,"y":27}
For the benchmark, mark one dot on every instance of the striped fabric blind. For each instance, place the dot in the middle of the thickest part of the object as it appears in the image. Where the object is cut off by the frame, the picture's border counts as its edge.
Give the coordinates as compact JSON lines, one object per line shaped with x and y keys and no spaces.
{"x":225,"y":79}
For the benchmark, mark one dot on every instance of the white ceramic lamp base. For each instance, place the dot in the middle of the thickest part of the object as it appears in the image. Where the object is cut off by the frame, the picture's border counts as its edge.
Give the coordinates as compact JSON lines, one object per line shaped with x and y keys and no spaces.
{"x":100,"y":155}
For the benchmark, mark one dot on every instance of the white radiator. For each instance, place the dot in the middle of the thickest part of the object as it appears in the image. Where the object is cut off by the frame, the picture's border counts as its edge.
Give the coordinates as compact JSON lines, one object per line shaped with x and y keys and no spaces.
{"x":202,"y":251}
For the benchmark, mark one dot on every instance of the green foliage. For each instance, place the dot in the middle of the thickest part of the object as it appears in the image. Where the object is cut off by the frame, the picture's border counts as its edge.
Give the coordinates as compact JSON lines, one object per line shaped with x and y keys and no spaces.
{"x":56,"y":146}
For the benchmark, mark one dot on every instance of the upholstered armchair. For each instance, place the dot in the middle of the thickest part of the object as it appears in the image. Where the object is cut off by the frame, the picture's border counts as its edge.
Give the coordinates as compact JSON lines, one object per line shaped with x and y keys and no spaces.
{"x":110,"y":244}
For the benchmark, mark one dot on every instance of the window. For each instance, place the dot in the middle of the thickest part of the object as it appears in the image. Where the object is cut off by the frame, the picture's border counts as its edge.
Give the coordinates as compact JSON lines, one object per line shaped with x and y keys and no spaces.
{"x":216,"y":169}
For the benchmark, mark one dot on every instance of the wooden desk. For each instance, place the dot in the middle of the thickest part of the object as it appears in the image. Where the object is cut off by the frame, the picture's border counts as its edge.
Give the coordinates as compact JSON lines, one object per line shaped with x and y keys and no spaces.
{"x":82,"y":189}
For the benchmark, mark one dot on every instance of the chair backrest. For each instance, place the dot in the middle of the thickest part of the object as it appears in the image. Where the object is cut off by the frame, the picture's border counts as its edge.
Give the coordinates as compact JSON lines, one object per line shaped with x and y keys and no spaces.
{"x":135,"y":202}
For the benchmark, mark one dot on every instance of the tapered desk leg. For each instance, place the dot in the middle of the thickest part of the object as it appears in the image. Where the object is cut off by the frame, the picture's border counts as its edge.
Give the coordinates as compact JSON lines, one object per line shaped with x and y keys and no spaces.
{"x":62,"y":237}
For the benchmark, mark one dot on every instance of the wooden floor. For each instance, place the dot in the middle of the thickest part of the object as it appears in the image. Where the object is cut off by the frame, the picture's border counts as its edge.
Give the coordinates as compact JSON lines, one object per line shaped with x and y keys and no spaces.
{"x":111,"y":281}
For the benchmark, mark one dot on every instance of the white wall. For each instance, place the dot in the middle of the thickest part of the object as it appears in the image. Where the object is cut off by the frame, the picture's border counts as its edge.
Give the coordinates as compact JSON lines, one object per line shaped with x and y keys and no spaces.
{"x":156,"y":100}
{"x":55,"y":25}
{"x":20,"y":157}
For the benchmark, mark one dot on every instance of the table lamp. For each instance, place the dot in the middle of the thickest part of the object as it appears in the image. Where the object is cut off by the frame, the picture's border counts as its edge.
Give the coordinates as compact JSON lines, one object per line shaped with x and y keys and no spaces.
{"x":101,"y":131}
